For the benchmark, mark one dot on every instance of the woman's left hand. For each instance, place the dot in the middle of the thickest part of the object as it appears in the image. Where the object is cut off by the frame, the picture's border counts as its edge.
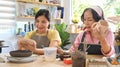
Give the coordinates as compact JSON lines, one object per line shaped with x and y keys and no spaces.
{"x":98,"y":33}
{"x":53,"y":43}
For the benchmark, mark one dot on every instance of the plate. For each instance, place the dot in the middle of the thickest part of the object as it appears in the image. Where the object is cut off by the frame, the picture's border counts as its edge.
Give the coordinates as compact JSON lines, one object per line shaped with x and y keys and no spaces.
{"x":21,"y":59}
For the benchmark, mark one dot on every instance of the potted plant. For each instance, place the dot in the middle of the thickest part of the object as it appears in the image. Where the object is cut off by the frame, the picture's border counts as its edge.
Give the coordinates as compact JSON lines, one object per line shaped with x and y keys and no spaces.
{"x":76,"y":19}
{"x":64,"y":35}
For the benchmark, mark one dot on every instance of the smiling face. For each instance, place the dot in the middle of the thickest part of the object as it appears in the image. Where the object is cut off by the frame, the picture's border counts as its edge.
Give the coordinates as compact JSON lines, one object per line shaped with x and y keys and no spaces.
{"x":88,"y":20}
{"x":41,"y":24}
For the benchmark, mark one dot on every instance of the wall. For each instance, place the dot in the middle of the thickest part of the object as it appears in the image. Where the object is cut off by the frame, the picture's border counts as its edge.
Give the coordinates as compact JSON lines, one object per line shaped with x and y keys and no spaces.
{"x":68,"y":11}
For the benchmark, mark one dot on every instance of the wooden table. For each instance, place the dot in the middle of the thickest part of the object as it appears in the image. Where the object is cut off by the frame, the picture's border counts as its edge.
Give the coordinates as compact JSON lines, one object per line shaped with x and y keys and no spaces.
{"x":40,"y":63}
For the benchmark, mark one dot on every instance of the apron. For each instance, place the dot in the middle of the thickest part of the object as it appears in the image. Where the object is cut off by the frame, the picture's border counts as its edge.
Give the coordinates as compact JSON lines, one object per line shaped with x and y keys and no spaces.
{"x":93,"y":48}
{"x":42,"y":41}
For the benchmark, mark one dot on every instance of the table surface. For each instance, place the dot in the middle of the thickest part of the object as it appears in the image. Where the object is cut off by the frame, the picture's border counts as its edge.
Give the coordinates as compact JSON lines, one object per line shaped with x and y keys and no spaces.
{"x":39,"y":62}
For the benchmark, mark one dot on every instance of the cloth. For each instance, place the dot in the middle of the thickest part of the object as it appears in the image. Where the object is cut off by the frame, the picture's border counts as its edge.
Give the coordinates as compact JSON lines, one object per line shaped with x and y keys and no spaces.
{"x":42,"y":41}
{"x":109,"y":37}
{"x":97,"y":9}
{"x":52,"y":35}
{"x":90,"y":48}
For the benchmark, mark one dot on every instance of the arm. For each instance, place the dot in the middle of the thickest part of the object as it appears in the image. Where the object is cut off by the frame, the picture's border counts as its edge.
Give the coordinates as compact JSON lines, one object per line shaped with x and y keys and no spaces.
{"x":29,"y":44}
{"x":108,"y":44}
{"x":55,"y":40}
{"x":23,"y":44}
{"x":106,"y":40}
{"x":53,"y":43}
{"x":22,"y":41}
{"x":105,"y":36}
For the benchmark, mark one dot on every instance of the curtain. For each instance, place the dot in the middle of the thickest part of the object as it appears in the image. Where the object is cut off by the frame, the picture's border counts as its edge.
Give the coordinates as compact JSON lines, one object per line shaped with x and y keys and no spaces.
{"x":7,"y":18}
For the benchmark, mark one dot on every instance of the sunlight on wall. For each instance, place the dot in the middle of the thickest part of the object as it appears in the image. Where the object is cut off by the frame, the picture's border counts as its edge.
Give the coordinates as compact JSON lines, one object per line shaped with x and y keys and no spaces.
{"x":108,"y":12}
{"x":94,"y":2}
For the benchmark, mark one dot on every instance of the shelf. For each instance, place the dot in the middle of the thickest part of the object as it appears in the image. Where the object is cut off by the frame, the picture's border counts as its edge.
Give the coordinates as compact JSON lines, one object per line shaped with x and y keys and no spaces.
{"x":39,"y":3}
{"x":26,"y":17}
{"x":3,"y":46}
{"x":32,"y":17}
{"x":57,"y":19}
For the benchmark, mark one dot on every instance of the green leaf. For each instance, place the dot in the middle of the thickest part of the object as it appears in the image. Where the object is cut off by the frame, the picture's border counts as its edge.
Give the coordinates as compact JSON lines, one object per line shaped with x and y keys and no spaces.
{"x":64,"y":35}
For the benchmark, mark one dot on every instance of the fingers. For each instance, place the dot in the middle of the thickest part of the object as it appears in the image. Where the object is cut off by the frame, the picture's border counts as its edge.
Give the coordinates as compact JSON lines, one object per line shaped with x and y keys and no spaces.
{"x":95,"y":33}
{"x":29,"y":47}
{"x":93,"y":25}
{"x":28,"y":44}
{"x":53,"y":43}
{"x":20,"y":47}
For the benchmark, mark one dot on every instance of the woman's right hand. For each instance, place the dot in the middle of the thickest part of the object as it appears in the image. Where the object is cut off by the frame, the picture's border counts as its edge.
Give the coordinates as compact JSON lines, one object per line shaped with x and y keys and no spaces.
{"x":25,"y":43}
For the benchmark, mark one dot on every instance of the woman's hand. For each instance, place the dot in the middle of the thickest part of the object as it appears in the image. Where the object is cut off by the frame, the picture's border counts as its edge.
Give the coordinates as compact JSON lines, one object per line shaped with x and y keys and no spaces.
{"x":54,"y":43}
{"x":28,"y":44}
{"x":98,"y":32}
{"x":99,"y":29}
{"x":100,"y":35}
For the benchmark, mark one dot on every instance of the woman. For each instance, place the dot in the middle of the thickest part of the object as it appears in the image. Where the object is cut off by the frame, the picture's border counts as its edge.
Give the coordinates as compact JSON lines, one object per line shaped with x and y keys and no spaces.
{"x":41,"y":37}
{"x":100,"y":42}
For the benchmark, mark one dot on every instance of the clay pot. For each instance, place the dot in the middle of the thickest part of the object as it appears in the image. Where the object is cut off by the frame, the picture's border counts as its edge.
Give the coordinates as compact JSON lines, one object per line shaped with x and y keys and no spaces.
{"x":21,"y":53}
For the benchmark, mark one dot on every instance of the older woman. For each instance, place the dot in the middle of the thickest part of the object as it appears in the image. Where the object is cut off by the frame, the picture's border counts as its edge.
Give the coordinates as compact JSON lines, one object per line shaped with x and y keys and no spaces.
{"x":100,"y":41}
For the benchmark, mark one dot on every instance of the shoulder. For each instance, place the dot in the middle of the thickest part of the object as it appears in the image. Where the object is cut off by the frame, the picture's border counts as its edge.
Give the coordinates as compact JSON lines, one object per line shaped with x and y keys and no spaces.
{"x":52,"y":31}
{"x":29,"y":34}
{"x":81,"y":33}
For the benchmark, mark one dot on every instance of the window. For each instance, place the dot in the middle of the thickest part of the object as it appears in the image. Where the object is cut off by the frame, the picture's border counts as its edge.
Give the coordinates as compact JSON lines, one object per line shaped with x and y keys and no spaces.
{"x":107,"y":5}
{"x":110,"y":7}
{"x":7,"y":18}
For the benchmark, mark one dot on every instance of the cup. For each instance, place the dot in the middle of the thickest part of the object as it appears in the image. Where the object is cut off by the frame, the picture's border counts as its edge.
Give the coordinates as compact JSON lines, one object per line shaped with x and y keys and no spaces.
{"x":78,"y":59}
{"x":50,"y":53}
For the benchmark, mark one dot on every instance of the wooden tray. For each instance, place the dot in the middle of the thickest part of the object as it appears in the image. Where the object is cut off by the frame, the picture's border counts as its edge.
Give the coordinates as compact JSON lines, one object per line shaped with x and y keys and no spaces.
{"x":96,"y":63}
